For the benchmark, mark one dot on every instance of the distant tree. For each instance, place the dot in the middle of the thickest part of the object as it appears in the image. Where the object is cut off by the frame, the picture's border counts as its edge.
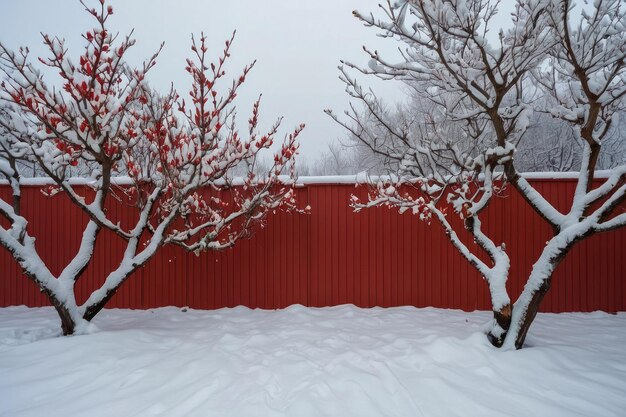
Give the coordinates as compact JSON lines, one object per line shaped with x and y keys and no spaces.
{"x":578,"y":69}
{"x":613,"y":152}
{"x":548,"y":145}
{"x":334,"y":160}
{"x":303,"y":167}
{"x":105,"y":119}
{"x":367,"y":150}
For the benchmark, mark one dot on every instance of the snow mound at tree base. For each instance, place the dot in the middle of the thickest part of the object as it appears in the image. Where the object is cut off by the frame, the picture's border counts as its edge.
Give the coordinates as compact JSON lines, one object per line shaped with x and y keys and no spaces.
{"x":339,"y":361}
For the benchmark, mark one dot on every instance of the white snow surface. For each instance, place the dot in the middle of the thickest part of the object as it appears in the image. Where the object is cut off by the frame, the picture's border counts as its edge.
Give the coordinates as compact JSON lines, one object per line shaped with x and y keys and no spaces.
{"x":339,"y":361}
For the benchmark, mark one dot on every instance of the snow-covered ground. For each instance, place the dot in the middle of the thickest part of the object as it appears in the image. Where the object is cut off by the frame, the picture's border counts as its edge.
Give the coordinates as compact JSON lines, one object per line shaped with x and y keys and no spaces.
{"x":341,"y":361}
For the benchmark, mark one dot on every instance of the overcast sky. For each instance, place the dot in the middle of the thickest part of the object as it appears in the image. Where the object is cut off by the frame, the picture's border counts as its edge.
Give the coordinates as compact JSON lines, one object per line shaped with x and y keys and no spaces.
{"x":297,"y":44}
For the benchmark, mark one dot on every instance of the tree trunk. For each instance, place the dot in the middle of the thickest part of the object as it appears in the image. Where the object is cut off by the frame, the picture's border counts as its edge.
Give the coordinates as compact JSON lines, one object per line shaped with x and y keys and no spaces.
{"x":526,"y":307}
{"x":68,"y":324}
{"x":531,"y":312}
{"x":503,"y":319}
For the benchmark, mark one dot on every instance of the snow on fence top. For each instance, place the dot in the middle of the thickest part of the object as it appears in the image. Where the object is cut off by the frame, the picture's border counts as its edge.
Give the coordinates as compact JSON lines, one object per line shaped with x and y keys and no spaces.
{"x":360,"y":178}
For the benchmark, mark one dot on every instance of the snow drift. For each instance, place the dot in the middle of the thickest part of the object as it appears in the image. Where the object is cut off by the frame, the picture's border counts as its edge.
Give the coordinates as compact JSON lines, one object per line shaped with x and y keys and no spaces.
{"x":339,"y":361}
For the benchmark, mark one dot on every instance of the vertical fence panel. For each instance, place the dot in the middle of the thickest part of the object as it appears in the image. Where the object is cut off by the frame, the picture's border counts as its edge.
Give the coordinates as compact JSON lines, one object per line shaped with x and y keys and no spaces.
{"x":332,"y":256}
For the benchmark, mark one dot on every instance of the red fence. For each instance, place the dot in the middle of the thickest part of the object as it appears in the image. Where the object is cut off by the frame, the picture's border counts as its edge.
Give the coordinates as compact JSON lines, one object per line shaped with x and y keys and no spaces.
{"x":333,"y":256}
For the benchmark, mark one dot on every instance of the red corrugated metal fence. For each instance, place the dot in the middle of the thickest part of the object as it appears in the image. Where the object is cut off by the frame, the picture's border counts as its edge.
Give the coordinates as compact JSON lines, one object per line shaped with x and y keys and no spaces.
{"x":333,"y":256}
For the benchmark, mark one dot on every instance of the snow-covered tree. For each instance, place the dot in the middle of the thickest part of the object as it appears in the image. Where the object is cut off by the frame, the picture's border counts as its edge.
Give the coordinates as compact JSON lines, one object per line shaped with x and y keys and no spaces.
{"x":491,"y":91}
{"x":177,"y":155}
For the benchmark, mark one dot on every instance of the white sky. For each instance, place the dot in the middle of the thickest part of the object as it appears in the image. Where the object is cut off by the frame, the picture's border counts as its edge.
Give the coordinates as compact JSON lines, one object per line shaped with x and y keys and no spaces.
{"x":298,"y":45}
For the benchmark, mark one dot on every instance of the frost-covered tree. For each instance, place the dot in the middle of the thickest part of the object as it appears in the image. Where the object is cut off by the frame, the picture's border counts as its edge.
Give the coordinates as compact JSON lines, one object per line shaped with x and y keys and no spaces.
{"x":100,"y":115}
{"x":550,"y":145}
{"x":613,"y":152}
{"x":367,"y":151}
{"x":334,"y":160}
{"x":490,"y":91}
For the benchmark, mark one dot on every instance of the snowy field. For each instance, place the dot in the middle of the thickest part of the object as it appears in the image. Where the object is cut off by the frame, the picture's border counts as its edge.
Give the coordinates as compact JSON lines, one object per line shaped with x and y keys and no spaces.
{"x":341,"y":361}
